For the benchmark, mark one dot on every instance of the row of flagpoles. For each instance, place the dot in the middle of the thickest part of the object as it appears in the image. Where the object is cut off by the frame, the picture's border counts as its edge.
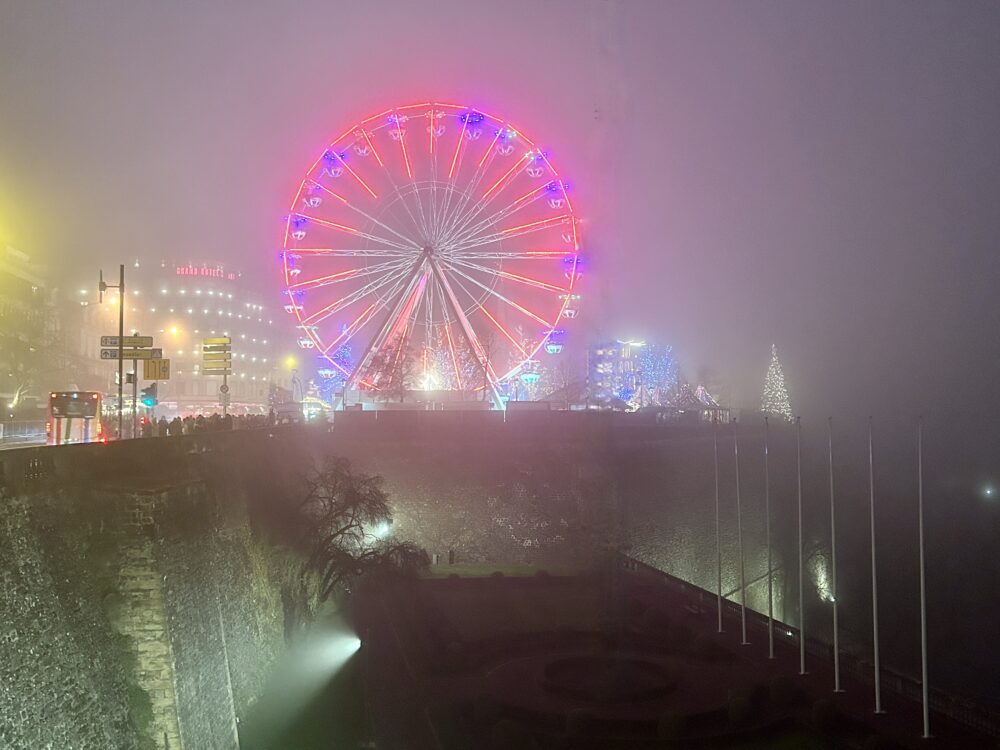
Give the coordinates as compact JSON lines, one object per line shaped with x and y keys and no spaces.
{"x":833,"y":557}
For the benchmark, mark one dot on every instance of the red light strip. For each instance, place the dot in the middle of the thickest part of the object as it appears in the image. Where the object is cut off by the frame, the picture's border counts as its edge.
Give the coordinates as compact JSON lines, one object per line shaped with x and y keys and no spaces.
{"x":492,"y":144}
{"x":356,"y":176}
{"x":372,"y":147}
{"x":432,"y":151}
{"x":545,"y":222}
{"x":461,"y":139}
{"x":402,"y":145}
{"x":504,"y":331}
{"x":330,"y":224}
{"x":325,"y":189}
{"x":533,"y":282}
{"x":319,"y":280}
{"x":508,"y":174}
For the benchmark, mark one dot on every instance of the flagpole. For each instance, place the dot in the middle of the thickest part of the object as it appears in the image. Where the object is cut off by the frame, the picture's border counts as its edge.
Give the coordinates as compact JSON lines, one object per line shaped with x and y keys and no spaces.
{"x":802,"y":608}
{"x":923,"y":589}
{"x":871,"y":507}
{"x":767,"y":539}
{"x":718,"y":536}
{"x":833,"y":568}
{"x":739,"y":535}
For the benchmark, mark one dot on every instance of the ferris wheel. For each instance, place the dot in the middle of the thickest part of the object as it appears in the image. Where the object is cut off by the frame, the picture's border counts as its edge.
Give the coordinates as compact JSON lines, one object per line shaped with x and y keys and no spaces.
{"x":432,"y":246}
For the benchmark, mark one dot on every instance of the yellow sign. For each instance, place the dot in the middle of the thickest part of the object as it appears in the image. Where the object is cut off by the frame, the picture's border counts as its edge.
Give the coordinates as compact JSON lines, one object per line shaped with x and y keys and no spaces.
{"x":218,"y":340}
{"x":156,"y":369}
{"x":216,"y":356}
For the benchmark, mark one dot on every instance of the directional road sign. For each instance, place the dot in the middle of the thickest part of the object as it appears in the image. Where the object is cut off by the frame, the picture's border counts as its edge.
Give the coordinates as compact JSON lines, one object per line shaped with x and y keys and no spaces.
{"x":156,"y":369}
{"x":130,"y":341}
{"x":218,"y":340}
{"x":216,"y":356}
{"x":132,"y":354}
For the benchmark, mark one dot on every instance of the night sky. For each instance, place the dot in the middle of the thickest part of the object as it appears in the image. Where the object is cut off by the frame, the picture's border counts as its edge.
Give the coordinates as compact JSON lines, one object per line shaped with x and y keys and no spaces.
{"x":823,"y":176}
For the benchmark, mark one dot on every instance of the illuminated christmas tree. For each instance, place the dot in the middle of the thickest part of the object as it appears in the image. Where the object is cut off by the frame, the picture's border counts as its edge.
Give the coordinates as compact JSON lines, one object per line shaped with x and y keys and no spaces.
{"x":775,"y":401}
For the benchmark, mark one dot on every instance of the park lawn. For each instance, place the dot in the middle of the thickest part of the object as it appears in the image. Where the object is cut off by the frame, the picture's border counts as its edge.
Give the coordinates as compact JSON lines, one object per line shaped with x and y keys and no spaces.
{"x":512,"y":606}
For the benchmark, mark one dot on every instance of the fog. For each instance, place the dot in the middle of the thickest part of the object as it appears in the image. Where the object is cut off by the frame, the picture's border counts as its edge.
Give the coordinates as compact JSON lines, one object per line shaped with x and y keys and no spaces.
{"x":818,"y":175}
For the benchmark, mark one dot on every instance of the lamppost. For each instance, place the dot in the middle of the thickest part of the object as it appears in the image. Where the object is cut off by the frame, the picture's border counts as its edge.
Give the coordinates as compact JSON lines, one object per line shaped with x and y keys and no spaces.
{"x":102,"y":287}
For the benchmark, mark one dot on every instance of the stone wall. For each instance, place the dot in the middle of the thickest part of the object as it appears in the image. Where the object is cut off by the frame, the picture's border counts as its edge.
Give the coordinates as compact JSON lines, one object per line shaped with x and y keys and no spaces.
{"x":141,"y":604}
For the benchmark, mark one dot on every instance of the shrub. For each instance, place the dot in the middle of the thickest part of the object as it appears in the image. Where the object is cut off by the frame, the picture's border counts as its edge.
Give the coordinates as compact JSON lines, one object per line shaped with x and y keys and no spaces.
{"x":579,"y":722}
{"x":739,"y":709}
{"x":496,"y":574}
{"x":509,"y":735}
{"x":486,"y":710}
{"x":824,"y":714}
{"x":875,"y":742}
{"x":671,"y":725}
{"x":782,"y":693}
{"x":454,"y":655}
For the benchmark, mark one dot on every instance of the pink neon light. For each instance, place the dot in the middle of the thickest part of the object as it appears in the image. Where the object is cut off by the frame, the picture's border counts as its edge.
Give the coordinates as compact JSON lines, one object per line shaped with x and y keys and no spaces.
{"x":458,"y":147}
{"x":356,"y":176}
{"x":321,"y":279}
{"x":402,"y":144}
{"x":552,"y":221}
{"x":529,"y":280}
{"x":505,"y":332}
{"x":327,"y":190}
{"x":508,"y":174}
{"x":490,"y":149}
{"x":330,"y":224}
{"x":372,"y":147}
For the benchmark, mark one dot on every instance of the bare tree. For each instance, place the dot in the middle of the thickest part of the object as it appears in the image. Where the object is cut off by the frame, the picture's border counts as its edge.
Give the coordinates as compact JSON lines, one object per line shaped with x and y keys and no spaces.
{"x":347,"y":523}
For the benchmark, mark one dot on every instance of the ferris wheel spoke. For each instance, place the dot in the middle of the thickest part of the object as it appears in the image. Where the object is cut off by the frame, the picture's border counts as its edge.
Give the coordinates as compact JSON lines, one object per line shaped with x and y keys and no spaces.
{"x":458,"y":213}
{"x":527,"y":280}
{"x":393,"y":319}
{"x":353,"y":230}
{"x":447,"y":333}
{"x":352,"y":328}
{"x":496,"y":217}
{"x":512,"y":255}
{"x":518,"y":231}
{"x":361,"y":212}
{"x":342,"y":276}
{"x":351,"y":252}
{"x":356,"y":176}
{"x":498,"y":295}
{"x":470,"y":335}
{"x":491,"y":193}
{"x":349,"y":299}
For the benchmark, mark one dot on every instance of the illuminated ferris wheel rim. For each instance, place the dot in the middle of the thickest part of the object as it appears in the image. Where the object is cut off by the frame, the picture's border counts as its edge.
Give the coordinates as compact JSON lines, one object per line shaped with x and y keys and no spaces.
{"x":444,"y":243}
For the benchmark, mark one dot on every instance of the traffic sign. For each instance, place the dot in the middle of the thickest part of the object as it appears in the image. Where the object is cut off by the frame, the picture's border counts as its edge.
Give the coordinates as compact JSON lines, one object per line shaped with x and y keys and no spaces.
{"x":217,"y":340}
{"x":224,"y":398}
{"x":224,"y":388}
{"x":156,"y":369}
{"x":216,"y":372}
{"x":131,"y":341}
{"x":132,"y":354}
{"x":216,"y":356}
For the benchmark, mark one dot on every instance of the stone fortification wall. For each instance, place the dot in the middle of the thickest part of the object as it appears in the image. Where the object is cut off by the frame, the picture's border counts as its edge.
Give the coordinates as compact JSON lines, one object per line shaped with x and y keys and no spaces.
{"x":141,"y":604}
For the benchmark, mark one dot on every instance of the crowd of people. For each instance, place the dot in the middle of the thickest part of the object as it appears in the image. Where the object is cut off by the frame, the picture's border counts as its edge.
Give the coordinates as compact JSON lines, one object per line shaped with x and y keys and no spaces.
{"x":190,"y":425}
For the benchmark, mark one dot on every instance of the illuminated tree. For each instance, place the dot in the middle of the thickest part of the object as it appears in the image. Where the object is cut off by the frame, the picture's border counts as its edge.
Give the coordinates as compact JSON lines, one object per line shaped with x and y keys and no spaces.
{"x":775,"y":401}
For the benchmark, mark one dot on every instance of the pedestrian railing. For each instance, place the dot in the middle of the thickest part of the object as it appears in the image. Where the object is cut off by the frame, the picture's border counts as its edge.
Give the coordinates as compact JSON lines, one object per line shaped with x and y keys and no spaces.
{"x":961,"y":710}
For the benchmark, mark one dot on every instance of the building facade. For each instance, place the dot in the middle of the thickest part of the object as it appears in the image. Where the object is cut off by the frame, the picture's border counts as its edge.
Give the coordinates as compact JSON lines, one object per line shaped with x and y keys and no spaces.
{"x":179,"y":304}
{"x":26,"y":329}
{"x":633,"y":372}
